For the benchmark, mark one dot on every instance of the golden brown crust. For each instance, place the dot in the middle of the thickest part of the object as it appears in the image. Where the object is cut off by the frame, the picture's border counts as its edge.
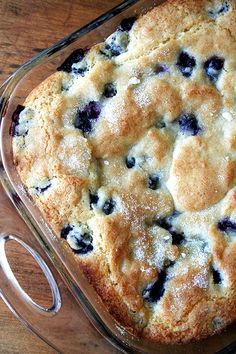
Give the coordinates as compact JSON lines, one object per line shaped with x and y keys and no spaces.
{"x":162,"y":153}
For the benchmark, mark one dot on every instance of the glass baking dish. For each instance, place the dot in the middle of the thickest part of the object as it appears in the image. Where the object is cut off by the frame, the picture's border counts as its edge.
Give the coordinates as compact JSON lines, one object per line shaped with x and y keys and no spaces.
{"x":42,"y":321}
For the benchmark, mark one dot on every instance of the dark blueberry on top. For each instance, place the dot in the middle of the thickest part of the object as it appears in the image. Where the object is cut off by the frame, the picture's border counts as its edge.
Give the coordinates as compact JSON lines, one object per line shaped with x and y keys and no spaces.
{"x":93,"y":200}
{"x":186,"y":63}
{"x":227,"y":225}
{"x":82,"y":122}
{"x":216,"y":276}
{"x":108,"y":206}
{"x":177,"y":237}
{"x":213,"y":67}
{"x":44,"y":187}
{"x":15,"y":121}
{"x":85,"y":117}
{"x":165,"y":223}
{"x":220,"y":10}
{"x":188,"y":124}
{"x":116,"y":44}
{"x":80,"y":243}
{"x":79,"y":70}
{"x":65,"y":231}
{"x":114,"y":49}
{"x":93,"y":109}
{"x":75,"y":57}
{"x":153,"y":182}
{"x":154,"y":291}
{"x":224,"y":8}
{"x":127,"y":24}
{"x":130,"y":162}
{"x":161,"y":69}
{"x":109,"y":90}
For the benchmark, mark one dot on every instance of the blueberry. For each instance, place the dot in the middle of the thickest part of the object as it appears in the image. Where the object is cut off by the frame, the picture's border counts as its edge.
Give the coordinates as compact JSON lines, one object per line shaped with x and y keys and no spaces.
{"x":75,"y":57}
{"x":127,"y":24}
{"x":15,"y":121}
{"x":177,"y":237}
{"x":220,"y":10}
{"x":216,"y":276}
{"x":108,"y":206}
{"x":188,"y":124}
{"x":224,"y":8}
{"x":226,"y":225}
{"x":153,"y":182}
{"x":154,"y":291}
{"x":80,"y":243}
{"x":65,"y":231}
{"x":213,"y":67}
{"x":79,"y":70}
{"x":44,"y":187}
{"x":186,"y":63}
{"x":165,"y":223}
{"x":161,"y":69}
{"x":130,"y":162}
{"x":109,"y":90}
{"x":113,"y":50}
{"x":93,"y":109}
{"x":82,"y":122}
{"x":116,"y":44}
{"x":84,"y":118}
{"x":93,"y":200}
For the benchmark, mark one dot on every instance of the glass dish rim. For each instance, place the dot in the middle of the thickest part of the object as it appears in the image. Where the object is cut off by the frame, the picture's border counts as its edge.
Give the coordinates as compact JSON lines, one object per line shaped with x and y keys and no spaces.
{"x":5,"y":92}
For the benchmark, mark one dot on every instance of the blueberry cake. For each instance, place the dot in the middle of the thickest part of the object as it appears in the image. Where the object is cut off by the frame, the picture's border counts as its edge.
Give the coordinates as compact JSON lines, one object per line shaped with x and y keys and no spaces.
{"x":129,"y":151}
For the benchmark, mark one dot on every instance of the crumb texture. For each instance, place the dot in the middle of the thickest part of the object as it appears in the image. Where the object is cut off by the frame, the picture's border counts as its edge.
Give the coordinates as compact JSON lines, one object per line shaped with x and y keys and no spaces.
{"x":129,"y":151}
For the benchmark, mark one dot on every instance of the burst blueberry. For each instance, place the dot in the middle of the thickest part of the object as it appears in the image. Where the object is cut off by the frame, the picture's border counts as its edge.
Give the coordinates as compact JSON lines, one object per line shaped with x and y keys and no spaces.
{"x":79,"y":242}
{"x":112,"y":50}
{"x":161,"y":69}
{"x":216,"y":276}
{"x":130,"y":162}
{"x":188,"y":124}
{"x":165,"y":223}
{"x":186,"y":63}
{"x":43,"y":187}
{"x":213,"y":67}
{"x":86,"y":117}
{"x":177,"y":237}
{"x":108,"y":206}
{"x":79,"y":70}
{"x":15,"y":121}
{"x":127,"y":24}
{"x":109,"y":90}
{"x":219,"y":10}
{"x":153,"y":181}
{"x":93,"y":200}
{"x":65,"y":231}
{"x":154,"y":291}
{"x":116,"y":44}
{"x":75,"y":57}
{"x":227,"y":225}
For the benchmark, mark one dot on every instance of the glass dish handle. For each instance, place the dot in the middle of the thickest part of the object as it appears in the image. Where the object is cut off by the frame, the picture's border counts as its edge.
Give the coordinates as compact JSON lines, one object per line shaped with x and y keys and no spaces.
{"x":12,"y":293}
{"x":10,"y":289}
